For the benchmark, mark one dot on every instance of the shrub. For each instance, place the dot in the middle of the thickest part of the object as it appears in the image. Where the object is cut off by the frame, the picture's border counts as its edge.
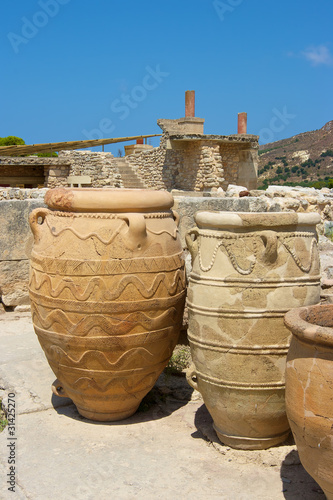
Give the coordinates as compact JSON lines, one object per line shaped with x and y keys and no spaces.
{"x":328,"y":152}
{"x":11,"y":140}
{"x":47,"y":155}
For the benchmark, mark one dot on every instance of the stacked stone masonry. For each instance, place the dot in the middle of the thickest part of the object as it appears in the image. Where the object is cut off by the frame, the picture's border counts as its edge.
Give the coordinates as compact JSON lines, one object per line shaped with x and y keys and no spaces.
{"x":200,"y":165}
{"x":99,"y":166}
{"x":54,"y":172}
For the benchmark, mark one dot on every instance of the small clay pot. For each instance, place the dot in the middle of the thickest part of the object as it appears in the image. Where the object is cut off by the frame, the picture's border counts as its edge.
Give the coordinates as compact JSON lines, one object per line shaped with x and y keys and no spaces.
{"x":309,"y":390}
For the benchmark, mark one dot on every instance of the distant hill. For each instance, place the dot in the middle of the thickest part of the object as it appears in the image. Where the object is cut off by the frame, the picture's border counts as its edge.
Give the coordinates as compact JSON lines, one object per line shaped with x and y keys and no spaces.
{"x":304,"y":159}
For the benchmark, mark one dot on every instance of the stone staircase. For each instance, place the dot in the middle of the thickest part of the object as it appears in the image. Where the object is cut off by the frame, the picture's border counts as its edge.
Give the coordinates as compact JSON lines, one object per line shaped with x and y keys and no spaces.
{"x":128,"y":175}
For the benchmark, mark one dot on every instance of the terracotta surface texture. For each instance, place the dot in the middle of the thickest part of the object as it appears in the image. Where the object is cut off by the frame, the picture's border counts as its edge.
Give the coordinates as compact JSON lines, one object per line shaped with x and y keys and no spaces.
{"x":309,"y":390}
{"x":248,"y":270}
{"x":107,"y":291}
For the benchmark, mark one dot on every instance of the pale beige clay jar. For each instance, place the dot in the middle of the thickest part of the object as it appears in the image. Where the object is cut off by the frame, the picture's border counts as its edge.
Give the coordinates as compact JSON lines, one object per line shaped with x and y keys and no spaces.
{"x":248,"y":270}
{"x":107,"y":289}
{"x":309,"y":390}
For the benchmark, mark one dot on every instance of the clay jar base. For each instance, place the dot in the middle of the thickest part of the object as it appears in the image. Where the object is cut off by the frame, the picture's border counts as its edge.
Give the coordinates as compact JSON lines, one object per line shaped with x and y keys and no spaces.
{"x":244,"y":443}
{"x":106,"y":417}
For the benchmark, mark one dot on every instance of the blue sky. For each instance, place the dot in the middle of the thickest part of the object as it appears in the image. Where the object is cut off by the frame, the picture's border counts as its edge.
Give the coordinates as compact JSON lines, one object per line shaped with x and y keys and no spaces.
{"x":79,"y":69}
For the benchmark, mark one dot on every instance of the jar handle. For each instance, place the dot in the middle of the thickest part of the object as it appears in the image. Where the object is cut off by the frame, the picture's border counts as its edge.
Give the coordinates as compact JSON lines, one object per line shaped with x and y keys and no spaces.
{"x":58,"y":389}
{"x":176,"y":217}
{"x":36,"y":219}
{"x":136,"y":234}
{"x":191,"y":377}
{"x":270,"y":240}
{"x":192,"y":244}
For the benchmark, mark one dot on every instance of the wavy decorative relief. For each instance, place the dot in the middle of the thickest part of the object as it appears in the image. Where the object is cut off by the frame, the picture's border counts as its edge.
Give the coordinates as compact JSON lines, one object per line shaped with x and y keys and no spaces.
{"x":128,"y":385}
{"x":145,"y":291}
{"x":105,"y":324}
{"x":173,"y":234}
{"x":98,"y":360}
{"x":84,"y":237}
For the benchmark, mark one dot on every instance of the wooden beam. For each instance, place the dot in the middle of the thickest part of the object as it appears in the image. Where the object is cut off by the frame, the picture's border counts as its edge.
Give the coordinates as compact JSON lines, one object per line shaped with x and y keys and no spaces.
{"x":18,"y":150}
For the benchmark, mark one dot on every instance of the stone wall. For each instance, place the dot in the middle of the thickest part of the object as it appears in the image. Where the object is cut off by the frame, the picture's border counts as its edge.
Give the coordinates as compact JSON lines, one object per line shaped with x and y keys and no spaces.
{"x":50,"y":172}
{"x":16,"y":242}
{"x":159,"y":168}
{"x":196,"y":165}
{"x":53,"y":172}
{"x":56,"y":175}
{"x":100,"y":166}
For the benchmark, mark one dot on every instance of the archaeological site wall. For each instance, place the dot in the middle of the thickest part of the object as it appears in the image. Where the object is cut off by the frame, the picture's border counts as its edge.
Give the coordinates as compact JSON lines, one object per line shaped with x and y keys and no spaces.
{"x":196,"y":164}
{"x":190,"y":162}
{"x":32,"y":171}
{"x":101,"y":167}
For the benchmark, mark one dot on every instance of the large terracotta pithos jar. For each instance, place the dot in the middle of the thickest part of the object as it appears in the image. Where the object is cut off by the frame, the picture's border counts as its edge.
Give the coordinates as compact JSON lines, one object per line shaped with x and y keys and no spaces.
{"x":248,"y":270}
{"x":107,"y":289}
{"x":309,"y":390}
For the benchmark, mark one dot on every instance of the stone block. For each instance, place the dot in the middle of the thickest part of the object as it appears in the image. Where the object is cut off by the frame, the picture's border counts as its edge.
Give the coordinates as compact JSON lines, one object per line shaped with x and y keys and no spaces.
{"x":188,"y":206}
{"x":16,"y":237}
{"x":14,"y":278}
{"x":15,"y":247}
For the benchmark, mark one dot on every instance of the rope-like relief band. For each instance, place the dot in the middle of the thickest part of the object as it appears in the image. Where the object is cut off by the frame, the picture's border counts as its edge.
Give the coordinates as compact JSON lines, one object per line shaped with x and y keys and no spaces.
{"x":235,"y":349}
{"x":226,"y":240}
{"x":103,"y":215}
{"x":239,"y":385}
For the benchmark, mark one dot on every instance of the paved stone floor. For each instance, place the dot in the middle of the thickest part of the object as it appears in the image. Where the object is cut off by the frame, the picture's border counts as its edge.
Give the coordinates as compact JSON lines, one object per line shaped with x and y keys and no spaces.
{"x":168,"y":451}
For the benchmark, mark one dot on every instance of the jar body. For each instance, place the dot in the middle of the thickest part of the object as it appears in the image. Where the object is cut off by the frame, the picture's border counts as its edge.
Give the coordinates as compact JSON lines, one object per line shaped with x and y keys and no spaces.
{"x":107,"y":293}
{"x":309,"y":390}
{"x":248,"y":270}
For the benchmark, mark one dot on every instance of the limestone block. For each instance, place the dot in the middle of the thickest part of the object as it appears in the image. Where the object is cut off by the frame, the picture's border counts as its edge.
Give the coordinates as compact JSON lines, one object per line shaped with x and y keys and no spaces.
{"x":188,"y":206}
{"x":15,"y":247}
{"x":234,"y":190}
{"x":14,"y":278}
{"x":16,"y":237}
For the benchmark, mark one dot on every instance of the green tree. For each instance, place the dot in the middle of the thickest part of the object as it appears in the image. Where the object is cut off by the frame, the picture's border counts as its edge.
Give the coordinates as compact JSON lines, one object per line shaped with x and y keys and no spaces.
{"x":11,"y":140}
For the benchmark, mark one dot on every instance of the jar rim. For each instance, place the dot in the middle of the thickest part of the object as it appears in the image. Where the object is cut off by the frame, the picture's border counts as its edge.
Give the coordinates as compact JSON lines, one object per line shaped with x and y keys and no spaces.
{"x":312,"y":324}
{"x":108,"y":200}
{"x":228,"y":220}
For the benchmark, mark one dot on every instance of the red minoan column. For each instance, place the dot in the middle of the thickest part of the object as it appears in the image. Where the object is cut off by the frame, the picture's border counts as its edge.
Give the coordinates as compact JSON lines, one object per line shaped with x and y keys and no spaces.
{"x":139,"y":141}
{"x":242,"y":123}
{"x":190,"y":103}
